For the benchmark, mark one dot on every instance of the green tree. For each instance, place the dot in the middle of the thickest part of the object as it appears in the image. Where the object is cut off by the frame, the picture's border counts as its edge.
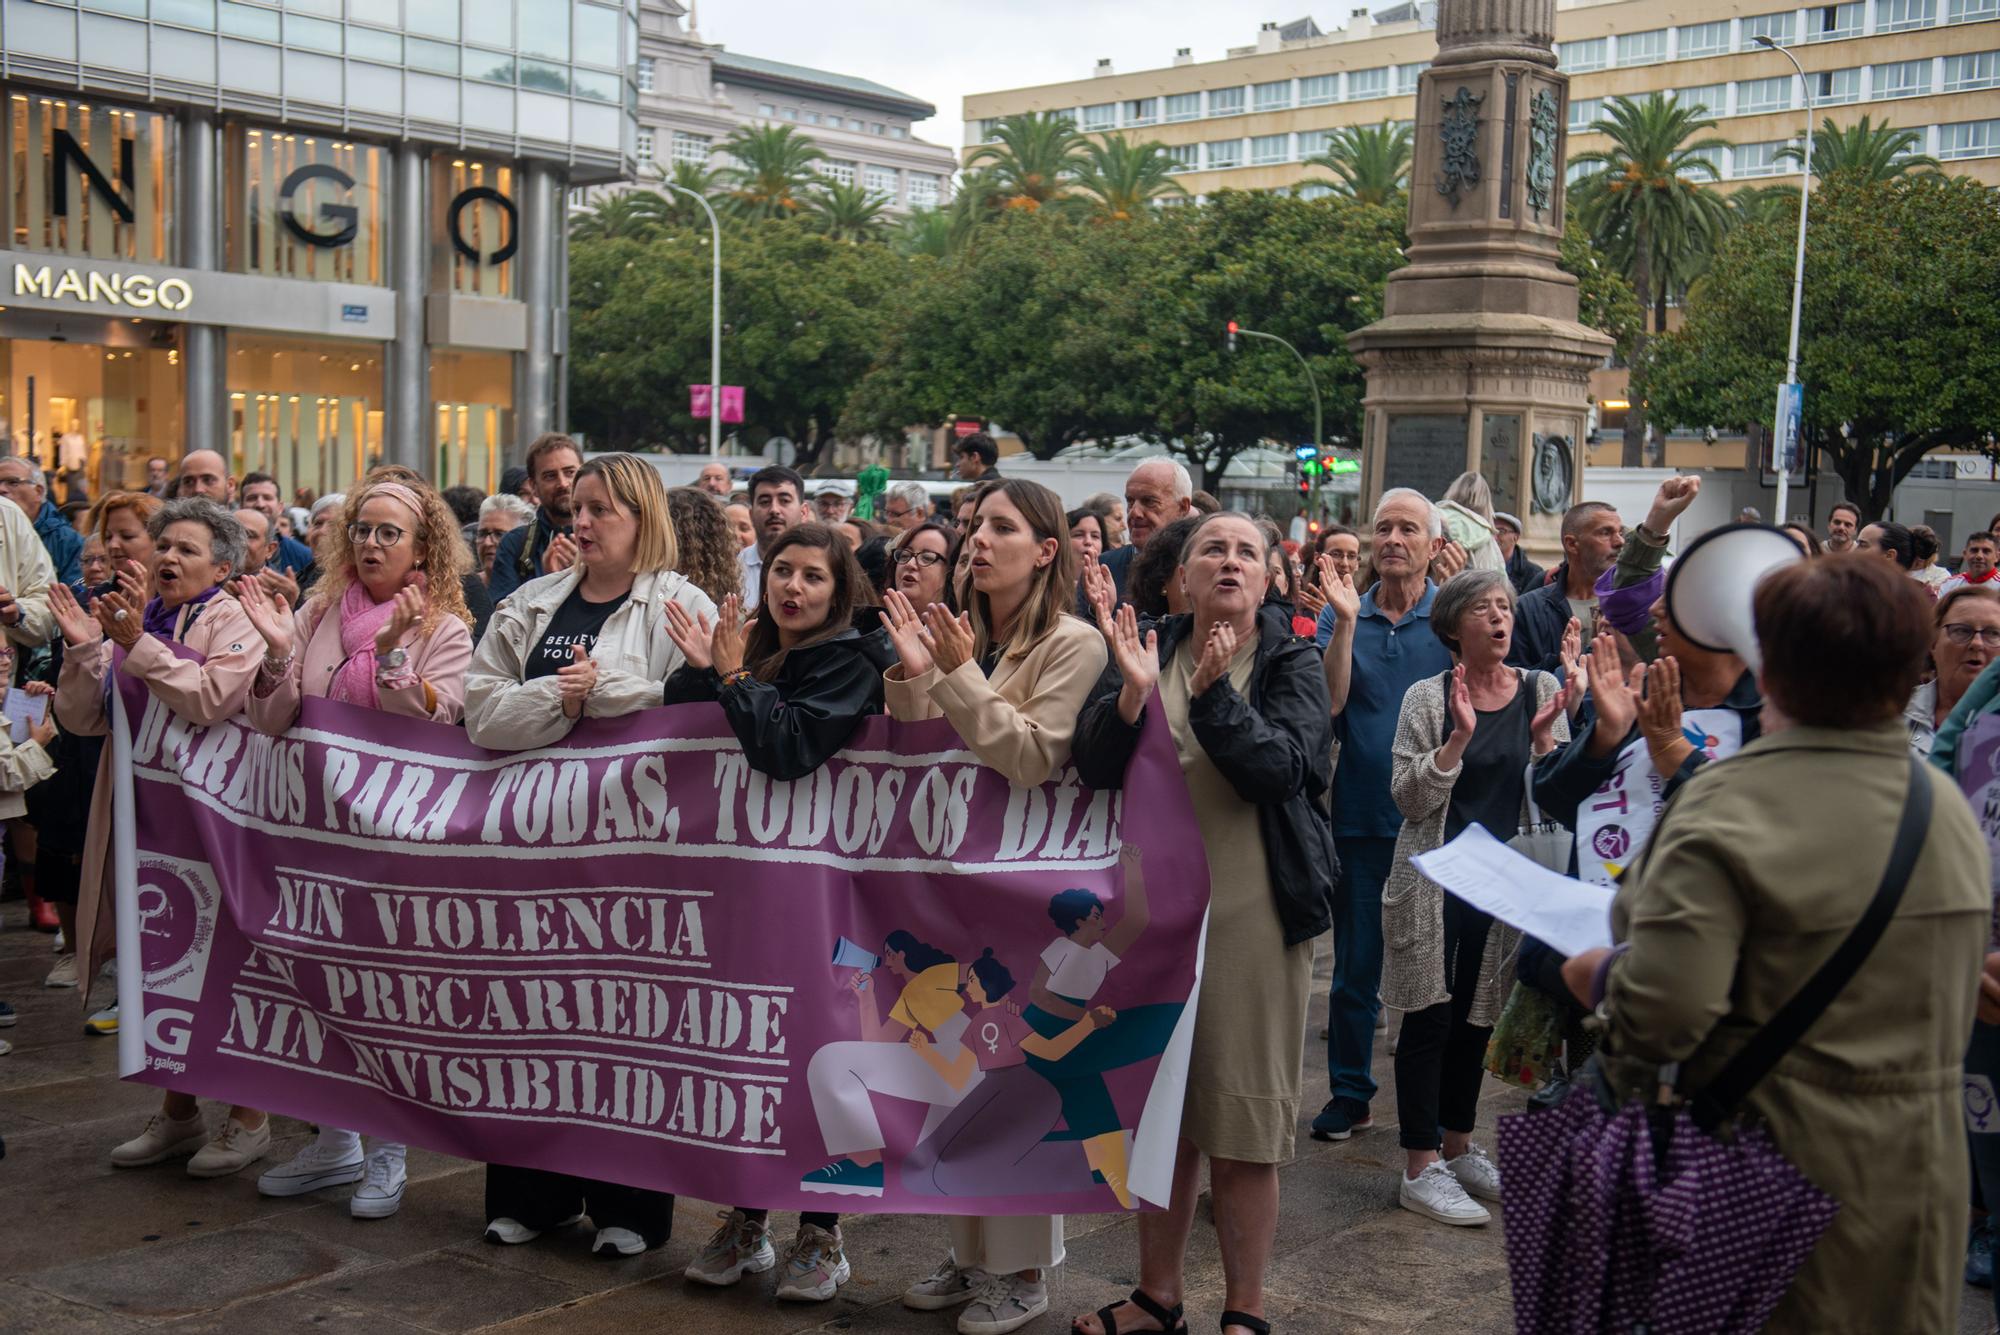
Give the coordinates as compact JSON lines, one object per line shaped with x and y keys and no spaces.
{"x":848,"y":212}
{"x":1864,"y":150}
{"x":1901,"y":330}
{"x":1370,"y":163}
{"x":802,"y":321}
{"x":773,"y":174}
{"x":1605,"y":301}
{"x":700,"y":178}
{"x":1649,"y":207}
{"x":937,"y":233}
{"x":1030,"y":163}
{"x":1123,"y":180}
{"x":629,"y":214}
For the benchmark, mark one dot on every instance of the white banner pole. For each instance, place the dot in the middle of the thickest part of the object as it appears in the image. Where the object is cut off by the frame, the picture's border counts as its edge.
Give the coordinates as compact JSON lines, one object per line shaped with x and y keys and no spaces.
{"x":125,"y":884}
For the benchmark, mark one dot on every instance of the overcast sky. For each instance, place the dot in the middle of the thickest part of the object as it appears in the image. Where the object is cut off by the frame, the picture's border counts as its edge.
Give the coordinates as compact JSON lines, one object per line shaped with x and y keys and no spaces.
{"x":941,"y":50}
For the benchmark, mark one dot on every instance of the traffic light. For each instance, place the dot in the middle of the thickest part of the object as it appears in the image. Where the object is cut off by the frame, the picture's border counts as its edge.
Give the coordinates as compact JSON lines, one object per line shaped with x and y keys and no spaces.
{"x":1305,"y":486}
{"x":1230,"y":340}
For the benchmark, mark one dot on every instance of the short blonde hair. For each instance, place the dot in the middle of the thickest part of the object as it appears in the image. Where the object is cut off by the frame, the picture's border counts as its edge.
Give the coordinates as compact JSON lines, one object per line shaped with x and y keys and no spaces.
{"x":635,"y":485}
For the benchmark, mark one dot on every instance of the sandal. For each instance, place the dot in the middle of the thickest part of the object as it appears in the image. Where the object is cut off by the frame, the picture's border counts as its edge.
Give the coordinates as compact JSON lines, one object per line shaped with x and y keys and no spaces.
{"x":1170,"y":1318}
{"x":1256,"y":1325}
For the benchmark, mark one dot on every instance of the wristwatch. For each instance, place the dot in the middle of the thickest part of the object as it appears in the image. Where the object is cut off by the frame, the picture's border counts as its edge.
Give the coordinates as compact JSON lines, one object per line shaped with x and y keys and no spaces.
{"x":393,"y":660}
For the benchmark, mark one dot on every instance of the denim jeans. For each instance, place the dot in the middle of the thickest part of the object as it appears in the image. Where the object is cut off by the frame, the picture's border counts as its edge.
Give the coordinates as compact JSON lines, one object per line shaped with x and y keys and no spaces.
{"x":1357,"y":965}
{"x":1982,"y":1114}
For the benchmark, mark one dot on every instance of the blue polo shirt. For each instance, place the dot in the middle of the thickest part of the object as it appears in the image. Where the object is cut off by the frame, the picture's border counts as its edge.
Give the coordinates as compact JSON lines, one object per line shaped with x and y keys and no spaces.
{"x":1389,"y":658}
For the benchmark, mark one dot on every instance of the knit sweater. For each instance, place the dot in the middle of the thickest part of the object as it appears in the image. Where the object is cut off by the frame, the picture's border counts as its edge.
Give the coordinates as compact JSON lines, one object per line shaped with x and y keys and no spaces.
{"x":1413,"y":973}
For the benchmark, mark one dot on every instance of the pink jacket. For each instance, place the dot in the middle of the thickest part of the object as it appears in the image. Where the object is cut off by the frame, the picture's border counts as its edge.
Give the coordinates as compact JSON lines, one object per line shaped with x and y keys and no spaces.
{"x":202,"y":693}
{"x":438,"y":660}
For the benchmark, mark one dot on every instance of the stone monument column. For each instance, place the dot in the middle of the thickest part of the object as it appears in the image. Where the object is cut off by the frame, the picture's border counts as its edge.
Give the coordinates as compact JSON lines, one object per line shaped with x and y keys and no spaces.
{"x":1478,"y":361}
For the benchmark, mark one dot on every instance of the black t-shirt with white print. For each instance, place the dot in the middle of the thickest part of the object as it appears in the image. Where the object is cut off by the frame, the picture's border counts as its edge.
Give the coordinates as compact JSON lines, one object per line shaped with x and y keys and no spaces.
{"x":577,"y":621}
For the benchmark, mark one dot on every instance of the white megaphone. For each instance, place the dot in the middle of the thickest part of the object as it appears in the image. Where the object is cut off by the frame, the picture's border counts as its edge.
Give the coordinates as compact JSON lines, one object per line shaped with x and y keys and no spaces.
{"x":1711,"y":585}
{"x":847,"y":955}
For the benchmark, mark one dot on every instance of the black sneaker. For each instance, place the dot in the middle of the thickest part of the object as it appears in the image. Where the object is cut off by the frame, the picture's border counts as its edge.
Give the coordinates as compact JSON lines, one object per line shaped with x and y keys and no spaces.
{"x":1341,"y":1118}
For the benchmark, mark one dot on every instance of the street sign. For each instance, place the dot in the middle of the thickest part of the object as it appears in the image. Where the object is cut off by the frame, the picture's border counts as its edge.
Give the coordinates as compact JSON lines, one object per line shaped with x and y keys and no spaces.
{"x":1791,"y":411}
{"x":1307,"y":452}
{"x":1343,"y":466}
{"x":965,"y":426}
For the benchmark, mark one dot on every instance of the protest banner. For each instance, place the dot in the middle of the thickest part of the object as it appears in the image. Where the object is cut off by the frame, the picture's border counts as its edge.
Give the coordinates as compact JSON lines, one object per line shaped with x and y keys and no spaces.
{"x":633,"y":958}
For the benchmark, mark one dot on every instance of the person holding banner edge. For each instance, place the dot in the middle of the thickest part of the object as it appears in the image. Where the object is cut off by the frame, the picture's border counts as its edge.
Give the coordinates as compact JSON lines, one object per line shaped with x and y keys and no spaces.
{"x":1246,"y":702}
{"x":1011,"y":672}
{"x":589,"y":640}
{"x":386,"y":629}
{"x":795,"y":682}
{"x":197,"y":654}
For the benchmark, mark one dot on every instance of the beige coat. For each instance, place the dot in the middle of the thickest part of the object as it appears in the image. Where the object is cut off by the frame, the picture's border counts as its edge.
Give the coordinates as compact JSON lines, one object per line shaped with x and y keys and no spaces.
{"x":634,"y":654}
{"x":202,"y":693}
{"x":26,"y":573}
{"x":1022,"y":719}
{"x":1760,"y":868}
{"x":437,"y":660}
{"x":1412,"y":903}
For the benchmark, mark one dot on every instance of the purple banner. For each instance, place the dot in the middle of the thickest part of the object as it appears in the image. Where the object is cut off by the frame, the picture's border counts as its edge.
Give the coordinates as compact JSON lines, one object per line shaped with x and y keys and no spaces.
{"x":634,"y":958}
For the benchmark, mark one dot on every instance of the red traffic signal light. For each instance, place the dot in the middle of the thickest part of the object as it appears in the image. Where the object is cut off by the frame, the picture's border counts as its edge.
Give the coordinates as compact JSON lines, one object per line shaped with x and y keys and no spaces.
{"x":1305,"y":486}
{"x":1230,"y":338}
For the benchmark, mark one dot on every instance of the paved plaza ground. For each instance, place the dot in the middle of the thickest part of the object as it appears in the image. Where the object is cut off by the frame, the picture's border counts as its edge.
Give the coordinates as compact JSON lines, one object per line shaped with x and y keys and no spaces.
{"x":87,"y":1248}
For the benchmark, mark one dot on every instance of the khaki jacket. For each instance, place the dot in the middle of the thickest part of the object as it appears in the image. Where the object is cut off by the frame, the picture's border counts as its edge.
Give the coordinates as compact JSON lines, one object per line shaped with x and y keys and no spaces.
{"x":202,"y":693}
{"x":1022,"y":719}
{"x":1758,"y":871}
{"x":26,"y":573}
{"x":634,"y":654}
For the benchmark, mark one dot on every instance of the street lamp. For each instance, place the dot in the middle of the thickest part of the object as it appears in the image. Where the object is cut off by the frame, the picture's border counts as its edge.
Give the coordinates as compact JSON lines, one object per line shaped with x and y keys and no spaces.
{"x":1319,"y":429}
{"x":714,"y":311}
{"x":1798,"y":283}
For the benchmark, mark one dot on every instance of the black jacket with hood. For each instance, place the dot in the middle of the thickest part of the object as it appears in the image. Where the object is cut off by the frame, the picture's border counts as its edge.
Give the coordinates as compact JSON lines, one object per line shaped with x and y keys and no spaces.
{"x":1275,"y":748}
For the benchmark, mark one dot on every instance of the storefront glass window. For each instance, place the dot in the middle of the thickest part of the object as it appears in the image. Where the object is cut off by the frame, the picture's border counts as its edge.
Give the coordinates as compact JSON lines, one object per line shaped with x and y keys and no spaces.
{"x":94,"y":411}
{"x":306,"y":411}
{"x":90,"y":179}
{"x":476,"y":227}
{"x":307,"y":206}
{"x":474,"y":406}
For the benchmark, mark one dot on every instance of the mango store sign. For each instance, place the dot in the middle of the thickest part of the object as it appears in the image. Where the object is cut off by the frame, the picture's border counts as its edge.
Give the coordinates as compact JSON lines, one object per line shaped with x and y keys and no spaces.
{"x":92,"y":287}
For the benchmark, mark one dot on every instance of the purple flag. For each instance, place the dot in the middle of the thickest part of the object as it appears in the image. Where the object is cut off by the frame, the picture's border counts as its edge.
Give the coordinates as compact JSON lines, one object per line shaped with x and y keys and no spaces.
{"x":632,"y":957}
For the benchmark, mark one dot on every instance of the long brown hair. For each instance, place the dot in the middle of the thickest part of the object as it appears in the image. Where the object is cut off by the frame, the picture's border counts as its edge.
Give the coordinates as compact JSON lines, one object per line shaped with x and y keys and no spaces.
{"x":441,"y":551}
{"x":707,"y":544}
{"x":851,"y":589}
{"x":1051,"y":589}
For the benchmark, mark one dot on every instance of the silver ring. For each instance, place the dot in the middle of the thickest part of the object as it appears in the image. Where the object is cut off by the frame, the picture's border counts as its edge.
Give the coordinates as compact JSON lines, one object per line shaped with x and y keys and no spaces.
{"x":120,"y":615}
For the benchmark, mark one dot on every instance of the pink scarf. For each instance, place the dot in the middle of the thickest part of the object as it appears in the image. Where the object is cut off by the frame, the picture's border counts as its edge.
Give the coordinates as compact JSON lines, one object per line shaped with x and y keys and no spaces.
{"x":360,"y":618}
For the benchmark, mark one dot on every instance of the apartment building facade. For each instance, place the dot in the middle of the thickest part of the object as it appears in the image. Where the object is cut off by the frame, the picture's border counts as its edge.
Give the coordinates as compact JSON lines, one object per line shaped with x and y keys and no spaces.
{"x":1251,"y":119}
{"x":693,"y":94}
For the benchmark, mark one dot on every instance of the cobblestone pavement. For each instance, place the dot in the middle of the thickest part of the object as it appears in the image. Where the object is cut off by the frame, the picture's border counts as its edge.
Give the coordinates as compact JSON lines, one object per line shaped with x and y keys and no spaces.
{"x":86,"y":1248}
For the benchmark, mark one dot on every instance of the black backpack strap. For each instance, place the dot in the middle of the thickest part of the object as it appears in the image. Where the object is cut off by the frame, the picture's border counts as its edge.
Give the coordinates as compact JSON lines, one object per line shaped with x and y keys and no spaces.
{"x":1715,"y":1104}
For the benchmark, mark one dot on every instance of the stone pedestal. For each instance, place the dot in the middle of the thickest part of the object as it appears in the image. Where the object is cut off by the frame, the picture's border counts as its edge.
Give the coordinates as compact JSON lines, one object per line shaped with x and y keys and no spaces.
{"x":1478,"y":361}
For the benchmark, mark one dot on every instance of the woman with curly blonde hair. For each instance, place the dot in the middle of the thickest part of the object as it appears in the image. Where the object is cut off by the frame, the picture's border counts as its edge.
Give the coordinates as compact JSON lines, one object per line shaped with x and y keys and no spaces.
{"x":708,"y":545}
{"x":385,"y":628}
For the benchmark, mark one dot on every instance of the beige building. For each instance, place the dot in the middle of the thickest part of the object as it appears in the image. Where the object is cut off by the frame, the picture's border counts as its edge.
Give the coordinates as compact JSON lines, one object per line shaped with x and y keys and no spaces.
{"x":1249,"y":120}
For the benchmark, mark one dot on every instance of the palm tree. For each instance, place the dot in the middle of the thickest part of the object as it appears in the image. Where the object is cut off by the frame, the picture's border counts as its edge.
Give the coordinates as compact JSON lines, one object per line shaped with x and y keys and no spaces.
{"x":773,"y":174}
{"x":1764,"y":203}
{"x":635,"y":215}
{"x":1864,"y":152}
{"x":1122,"y":179}
{"x":1648,"y":206}
{"x":1372,"y":162}
{"x":1031,"y":162}
{"x":847,"y":212}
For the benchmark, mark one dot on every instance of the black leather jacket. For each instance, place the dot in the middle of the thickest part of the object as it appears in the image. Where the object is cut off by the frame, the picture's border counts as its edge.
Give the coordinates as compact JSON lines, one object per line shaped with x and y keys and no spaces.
{"x":1275,"y":748}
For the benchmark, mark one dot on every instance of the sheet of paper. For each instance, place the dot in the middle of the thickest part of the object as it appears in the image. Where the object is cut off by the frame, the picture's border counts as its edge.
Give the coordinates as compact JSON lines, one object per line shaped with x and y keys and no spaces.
{"x":1567,"y":914}
{"x":21,"y":710}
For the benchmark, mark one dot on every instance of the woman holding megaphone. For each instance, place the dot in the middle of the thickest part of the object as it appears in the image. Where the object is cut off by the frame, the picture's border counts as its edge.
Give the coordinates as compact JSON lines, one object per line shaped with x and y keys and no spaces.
{"x":795,"y":683}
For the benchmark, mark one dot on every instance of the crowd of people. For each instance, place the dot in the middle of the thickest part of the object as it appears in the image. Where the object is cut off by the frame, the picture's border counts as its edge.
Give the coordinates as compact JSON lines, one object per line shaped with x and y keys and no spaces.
{"x":1331,"y":724}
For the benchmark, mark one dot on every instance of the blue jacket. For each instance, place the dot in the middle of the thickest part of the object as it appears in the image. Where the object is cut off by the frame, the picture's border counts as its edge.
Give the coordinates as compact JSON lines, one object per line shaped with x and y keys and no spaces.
{"x":63,"y":543}
{"x":519,"y":558}
{"x":292,"y":555}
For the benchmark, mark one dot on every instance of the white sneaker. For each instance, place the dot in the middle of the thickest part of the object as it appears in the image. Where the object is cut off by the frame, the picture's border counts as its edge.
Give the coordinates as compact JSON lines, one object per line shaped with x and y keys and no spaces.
{"x":312,"y":1168}
{"x":63,"y":974}
{"x":510,"y":1232}
{"x":236,"y":1148}
{"x":1003,"y":1303}
{"x":164,"y":1138}
{"x":947,"y":1286}
{"x":741,"y":1246}
{"x":381,"y":1193}
{"x":1436,"y":1194}
{"x":613,"y":1243}
{"x":5,"y":1047}
{"x":1477,"y":1173}
{"x":815,"y":1265}
{"x":62,"y":942}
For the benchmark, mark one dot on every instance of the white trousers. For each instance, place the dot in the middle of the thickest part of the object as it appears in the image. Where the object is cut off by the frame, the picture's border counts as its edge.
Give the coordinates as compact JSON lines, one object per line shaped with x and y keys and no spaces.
{"x":844,"y":1077}
{"x":1005,"y":1244}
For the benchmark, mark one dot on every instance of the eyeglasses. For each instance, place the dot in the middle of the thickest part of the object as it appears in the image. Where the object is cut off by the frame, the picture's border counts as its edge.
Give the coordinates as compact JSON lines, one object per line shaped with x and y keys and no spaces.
{"x":1961,"y":634}
{"x":924,"y":559}
{"x":382,"y":535}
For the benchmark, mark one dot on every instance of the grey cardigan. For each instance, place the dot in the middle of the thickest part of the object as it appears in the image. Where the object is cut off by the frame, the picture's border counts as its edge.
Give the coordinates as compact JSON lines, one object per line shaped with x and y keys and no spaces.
{"x":1413,"y":974}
